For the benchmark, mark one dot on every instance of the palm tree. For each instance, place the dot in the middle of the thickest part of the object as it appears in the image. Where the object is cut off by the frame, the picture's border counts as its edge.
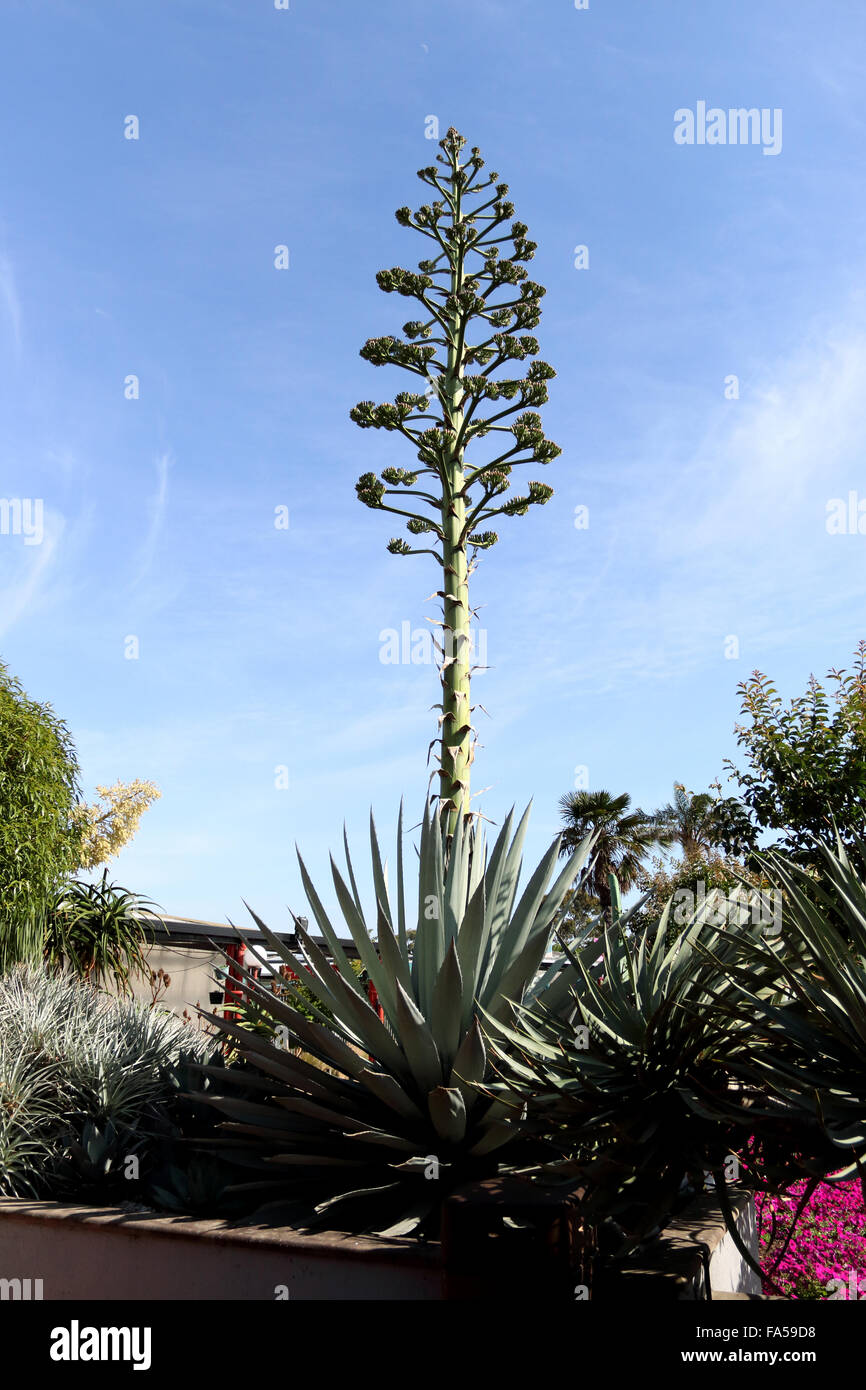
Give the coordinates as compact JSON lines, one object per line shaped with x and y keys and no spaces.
{"x":624,"y":838}
{"x":690,"y":822}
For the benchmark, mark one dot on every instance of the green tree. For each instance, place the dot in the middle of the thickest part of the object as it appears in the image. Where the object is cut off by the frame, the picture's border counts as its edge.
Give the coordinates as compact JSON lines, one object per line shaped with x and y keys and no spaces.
{"x":39,"y":843}
{"x":689,"y":882}
{"x":690,"y":821}
{"x":624,"y":838}
{"x":805,"y":775}
{"x":464,"y":336}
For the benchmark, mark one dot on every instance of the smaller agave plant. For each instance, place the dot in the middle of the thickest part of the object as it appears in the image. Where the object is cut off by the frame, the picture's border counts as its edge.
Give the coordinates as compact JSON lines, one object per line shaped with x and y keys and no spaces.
{"x":632,"y":1096}
{"x":815,"y":1019}
{"x":383,"y":1115}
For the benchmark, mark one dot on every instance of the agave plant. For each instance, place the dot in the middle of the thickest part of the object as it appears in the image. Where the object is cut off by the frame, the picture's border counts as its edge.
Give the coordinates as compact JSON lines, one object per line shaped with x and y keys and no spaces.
{"x":816,"y":1020}
{"x":396,"y":1121}
{"x":661,"y":1077}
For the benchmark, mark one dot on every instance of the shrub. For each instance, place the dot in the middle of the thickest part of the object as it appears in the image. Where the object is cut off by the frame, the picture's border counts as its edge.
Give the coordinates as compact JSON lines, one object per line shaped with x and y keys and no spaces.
{"x":741,"y":894}
{"x":86,"y":1082}
{"x":97,"y":931}
{"x":39,"y":843}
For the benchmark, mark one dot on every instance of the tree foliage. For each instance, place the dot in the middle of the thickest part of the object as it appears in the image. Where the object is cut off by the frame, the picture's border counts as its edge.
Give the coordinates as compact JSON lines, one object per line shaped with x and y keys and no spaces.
{"x":39,"y":842}
{"x":623,"y":840}
{"x":689,"y":882}
{"x":805,"y":774}
{"x":691,"y":821}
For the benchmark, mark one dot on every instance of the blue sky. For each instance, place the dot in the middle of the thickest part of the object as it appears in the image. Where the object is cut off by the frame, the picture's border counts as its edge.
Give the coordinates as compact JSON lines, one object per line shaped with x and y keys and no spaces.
{"x":260,"y":648}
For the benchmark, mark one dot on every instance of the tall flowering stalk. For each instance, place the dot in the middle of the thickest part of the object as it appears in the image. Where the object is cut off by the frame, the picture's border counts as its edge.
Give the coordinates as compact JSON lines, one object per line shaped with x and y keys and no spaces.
{"x":465,"y":327}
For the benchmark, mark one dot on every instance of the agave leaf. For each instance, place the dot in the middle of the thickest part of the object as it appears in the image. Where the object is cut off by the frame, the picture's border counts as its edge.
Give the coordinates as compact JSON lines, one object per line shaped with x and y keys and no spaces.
{"x":514,"y":938}
{"x":357,"y":1013}
{"x":617,"y":955}
{"x":246,"y":978}
{"x":574,"y":865}
{"x":321,"y":986}
{"x":519,"y":973}
{"x":365,"y":947}
{"x":386,"y":1140}
{"x":519,"y":1038}
{"x":478,"y":866}
{"x":448,"y":1113}
{"x":426,"y":956}
{"x":388,"y":1090}
{"x":343,"y":1119}
{"x":494,"y":1138}
{"x":470,"y":940}
{"x":327,"y":930}
{"x":420,"y":1048}
{"x":456,"y":881}
{"x":350,"y":871}
{"x":380,"y":883}
{"x":295,"y":1080}
{"x":447,"y":1008}
{"x":402,"y":938}
{"x":244,"y":1110}
{"x":357,"y":1192}
{"x":500,"y":898}
{"x":547,"y":978}
{"x":470,"y":1065}
{"x":320,"y":1040}
{"x":408,"y":1223}
{"x":252,"y":985}
{"x":492,"y":882}
{"x":394,"y":963}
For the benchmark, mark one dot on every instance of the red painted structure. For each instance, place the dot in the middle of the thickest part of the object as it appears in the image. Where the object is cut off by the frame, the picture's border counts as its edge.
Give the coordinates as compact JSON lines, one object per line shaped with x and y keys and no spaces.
{"x":233,"y":996}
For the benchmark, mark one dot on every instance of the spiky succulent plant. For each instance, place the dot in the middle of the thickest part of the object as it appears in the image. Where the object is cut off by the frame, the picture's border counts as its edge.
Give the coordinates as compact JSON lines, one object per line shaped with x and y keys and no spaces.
{"x":730,"y":1051}
{"x":624,"y":1095}
{"x":816,"y":1021}
{"x":383,"y":1115}
{"x":85,"y":1081}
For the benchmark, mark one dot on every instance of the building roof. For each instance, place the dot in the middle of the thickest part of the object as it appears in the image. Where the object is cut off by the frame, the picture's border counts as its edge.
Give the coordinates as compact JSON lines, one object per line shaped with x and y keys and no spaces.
{"x":194,"y":932}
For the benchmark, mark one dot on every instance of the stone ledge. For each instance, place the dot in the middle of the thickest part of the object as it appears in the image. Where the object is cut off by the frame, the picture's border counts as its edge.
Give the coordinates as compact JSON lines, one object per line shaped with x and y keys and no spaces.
{"x":220,"y":1232}
{"x":91,"y":1252}
{"x":722,"y":1296}
{"x":675,"y":1266}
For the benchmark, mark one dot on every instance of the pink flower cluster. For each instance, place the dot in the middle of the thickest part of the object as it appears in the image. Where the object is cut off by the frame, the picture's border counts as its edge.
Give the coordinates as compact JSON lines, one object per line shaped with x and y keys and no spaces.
{"x":829,"y":1242}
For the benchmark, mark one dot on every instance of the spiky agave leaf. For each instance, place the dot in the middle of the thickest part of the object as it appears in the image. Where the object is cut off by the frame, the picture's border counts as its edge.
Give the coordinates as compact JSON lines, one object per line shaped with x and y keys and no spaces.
{"x":392,"y":1113}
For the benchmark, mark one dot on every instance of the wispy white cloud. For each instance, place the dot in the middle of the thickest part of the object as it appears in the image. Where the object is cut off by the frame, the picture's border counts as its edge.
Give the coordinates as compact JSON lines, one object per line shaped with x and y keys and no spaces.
{"x":156,"y":508}
{"x":11,"y":302}
{"x":729,"y":539}
{"x":35,"y":563}
{"x":803,"y":424}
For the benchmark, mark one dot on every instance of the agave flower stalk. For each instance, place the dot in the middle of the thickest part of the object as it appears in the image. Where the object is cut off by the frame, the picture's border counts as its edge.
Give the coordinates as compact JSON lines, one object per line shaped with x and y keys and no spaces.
{"x":465,"y":325}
